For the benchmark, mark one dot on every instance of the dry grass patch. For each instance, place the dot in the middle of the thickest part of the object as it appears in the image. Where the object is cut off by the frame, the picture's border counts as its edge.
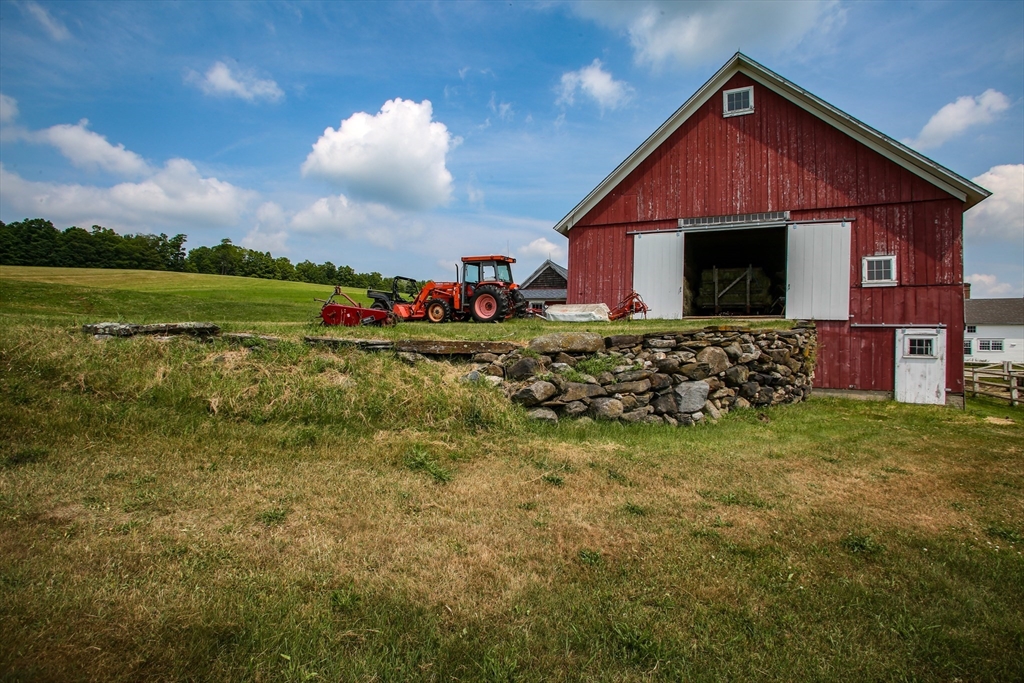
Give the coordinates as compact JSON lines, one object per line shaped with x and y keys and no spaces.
{"x":145,"y":536}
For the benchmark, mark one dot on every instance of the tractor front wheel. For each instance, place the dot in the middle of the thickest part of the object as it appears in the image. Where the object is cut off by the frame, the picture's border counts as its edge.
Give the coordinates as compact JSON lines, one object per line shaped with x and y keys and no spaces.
{"x":489,"y":304}
{"x":439,"y":311}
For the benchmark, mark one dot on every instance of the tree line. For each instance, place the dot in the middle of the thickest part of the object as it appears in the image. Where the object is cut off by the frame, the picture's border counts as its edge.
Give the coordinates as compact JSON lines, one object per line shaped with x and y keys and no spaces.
{"x":37,"y":242}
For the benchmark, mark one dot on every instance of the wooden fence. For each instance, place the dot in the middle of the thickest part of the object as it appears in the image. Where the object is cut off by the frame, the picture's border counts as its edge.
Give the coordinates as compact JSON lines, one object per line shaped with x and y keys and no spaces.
{"x":998,"y":380}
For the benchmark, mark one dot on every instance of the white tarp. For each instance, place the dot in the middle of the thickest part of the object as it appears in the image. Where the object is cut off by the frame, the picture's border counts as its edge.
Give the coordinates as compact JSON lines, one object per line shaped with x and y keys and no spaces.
{"x":577,"y":313}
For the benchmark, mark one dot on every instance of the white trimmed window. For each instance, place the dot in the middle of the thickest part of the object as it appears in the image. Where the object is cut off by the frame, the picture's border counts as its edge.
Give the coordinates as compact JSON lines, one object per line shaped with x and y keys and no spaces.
{"x":738,"y":101}
{"x":879,"y":271}
{"x":972,"y":329}
{"x":920,"y":346}
{"x":967,"y":347}
{"x":990,"y":344}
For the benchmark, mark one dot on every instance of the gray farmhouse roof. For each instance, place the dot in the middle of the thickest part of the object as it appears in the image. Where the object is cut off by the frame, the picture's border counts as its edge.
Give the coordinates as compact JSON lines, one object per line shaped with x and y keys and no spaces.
{"x":544,"y":294}
{"x":994,"y":311}
{"x":918,"y":164}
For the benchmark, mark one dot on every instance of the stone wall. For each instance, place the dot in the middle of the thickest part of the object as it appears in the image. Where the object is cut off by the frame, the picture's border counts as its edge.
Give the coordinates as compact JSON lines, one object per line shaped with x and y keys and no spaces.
{"x":676,"y":378}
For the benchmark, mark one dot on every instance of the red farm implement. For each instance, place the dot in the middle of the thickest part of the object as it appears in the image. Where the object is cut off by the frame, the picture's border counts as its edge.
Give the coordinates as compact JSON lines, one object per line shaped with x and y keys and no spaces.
{"x":628,"y":307}
{"x":333,"y":313}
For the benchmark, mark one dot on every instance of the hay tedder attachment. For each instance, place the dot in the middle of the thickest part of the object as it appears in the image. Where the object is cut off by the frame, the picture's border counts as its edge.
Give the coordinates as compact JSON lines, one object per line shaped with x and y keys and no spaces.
{"x":628,"y":307}
{"x":333,"y":313}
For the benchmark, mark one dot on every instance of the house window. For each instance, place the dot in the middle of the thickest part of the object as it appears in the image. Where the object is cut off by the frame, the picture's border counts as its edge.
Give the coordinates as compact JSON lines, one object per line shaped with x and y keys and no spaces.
{"x":990,"y":344}
{"x":967,"y":347}
{"x":879,"y":271}
{"x":972,"y":329}
{"x":920,"y":346}
{"x":737,"y":102}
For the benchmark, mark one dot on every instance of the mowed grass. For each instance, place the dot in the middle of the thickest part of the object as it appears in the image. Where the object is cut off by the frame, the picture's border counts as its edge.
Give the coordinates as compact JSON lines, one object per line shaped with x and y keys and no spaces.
{"x":75,"y":296}
{"x":200,"y":511}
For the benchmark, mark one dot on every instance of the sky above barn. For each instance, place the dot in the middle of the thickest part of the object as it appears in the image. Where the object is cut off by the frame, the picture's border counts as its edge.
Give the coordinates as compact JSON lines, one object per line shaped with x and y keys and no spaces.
{"x":396,"y":137}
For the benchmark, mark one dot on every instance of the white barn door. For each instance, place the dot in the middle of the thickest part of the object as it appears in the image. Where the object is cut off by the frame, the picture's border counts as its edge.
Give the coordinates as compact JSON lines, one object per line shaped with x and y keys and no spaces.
{"x":921,"y":366}
{"x":818,"y":271}
{"x":658,"y":272}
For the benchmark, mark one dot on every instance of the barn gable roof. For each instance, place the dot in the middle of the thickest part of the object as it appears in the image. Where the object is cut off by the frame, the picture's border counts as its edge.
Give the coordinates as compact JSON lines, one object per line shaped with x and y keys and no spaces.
{"x":936,"y":174}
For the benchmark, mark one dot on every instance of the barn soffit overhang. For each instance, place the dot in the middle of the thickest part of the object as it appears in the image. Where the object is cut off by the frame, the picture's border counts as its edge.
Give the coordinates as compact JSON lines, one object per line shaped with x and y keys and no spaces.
{"x":918,"y":164}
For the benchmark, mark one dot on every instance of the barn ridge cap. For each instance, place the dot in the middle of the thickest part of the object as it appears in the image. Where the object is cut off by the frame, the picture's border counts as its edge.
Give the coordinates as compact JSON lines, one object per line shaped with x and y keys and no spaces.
{"x":915,"y":162}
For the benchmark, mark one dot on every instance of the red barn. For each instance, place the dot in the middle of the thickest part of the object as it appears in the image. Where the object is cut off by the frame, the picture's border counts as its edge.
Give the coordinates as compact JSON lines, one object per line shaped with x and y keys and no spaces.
{"x":756,"y":197}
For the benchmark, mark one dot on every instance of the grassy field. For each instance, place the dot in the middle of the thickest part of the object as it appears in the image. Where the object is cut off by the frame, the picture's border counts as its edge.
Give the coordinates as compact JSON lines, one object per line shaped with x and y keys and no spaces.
{"x":199,"y":511}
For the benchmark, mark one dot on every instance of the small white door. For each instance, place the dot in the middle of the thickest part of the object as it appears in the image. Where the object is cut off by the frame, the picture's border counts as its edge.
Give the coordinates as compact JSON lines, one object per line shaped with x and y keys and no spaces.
{"x":658,"y":272}
{"x":921,"y":366}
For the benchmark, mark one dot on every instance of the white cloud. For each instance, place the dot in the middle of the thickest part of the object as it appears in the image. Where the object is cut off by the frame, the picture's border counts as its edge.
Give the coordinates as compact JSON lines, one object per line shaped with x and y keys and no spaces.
{"x":988,"y":286}
{"x":370,"y":222}
{"x":219,"y":80}
{"x":542,"y":248}
{"x":502,"y":109}
{"x":8,"y":109}
{"x":1001,"y":216}
{"x":395,"y":157}
{"x":956,"y":117}
{"x":56,"y":29}
{"x":87,"y":149}
{"x":174,"y":196}
{"x":270,"y":232}
{"x":687,"y":33}
{"x":597,"y":84}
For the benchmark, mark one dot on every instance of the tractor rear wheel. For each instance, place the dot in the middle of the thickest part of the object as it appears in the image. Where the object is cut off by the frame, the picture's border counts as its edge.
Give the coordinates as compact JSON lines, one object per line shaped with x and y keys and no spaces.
{"x":439,"y":311}
{"x":489,"y":304}
{"x":378,"y":305}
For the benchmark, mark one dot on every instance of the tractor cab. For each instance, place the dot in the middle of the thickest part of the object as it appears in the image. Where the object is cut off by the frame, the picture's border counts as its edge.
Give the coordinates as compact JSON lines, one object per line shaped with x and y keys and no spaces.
{"x":477,"y":270}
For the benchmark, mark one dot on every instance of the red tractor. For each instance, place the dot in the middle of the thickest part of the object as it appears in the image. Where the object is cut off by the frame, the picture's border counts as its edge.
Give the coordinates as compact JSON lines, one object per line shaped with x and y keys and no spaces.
{"x":486,"y":293}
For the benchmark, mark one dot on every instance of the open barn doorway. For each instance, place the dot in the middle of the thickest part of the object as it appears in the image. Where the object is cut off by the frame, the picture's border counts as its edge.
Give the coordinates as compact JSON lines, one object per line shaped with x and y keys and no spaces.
{"x":737,"y":272}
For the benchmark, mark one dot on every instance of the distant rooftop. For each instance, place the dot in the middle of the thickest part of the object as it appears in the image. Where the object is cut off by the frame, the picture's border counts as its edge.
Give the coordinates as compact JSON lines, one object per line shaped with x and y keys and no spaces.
{"x":994,"y":311}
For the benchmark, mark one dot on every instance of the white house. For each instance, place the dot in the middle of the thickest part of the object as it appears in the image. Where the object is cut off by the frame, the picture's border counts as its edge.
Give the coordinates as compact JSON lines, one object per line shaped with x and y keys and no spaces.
{"x":995,"y":330}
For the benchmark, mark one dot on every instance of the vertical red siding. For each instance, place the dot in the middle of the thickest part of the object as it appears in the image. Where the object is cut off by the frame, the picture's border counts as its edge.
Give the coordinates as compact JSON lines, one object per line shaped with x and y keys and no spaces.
{"x":782,"y":158}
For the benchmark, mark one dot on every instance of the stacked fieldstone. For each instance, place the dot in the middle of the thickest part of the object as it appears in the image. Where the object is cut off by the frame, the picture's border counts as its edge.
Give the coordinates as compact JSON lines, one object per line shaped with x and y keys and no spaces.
{"x":676,"y":378}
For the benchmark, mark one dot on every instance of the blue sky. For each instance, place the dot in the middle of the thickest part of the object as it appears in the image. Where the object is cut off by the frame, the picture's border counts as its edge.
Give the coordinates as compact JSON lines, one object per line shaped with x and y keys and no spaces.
{"x":397,"y":137}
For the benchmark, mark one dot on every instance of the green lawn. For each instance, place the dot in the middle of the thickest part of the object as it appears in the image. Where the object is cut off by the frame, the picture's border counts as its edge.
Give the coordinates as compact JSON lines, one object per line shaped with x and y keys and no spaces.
{"x":199,"y":511}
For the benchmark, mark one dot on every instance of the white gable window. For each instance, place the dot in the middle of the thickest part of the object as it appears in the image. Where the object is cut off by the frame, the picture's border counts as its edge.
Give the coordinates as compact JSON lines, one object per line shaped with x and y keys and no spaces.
{"x":738,"y":101}
{"x":972,"y":329}
{"x":879,"y":271}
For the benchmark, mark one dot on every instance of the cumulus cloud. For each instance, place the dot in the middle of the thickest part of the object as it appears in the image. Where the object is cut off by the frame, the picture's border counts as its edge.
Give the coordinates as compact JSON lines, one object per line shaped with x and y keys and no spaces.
{"x":176,"y":194}
{"x":686,"y":33}
{"x":87,"y":149}
{"x":596,"y":83}
{"x":55,"y":28}
{"x":985,"y":286}
{"x":395,"y":157}
{"x":8,"y":109}
{"x":956,"y":117}
{"x":1001,"y":216}
{"x":270,"y":232}
{"x":542,"y":248}
{"x":219,"y":80}
{"x":374,"y":223}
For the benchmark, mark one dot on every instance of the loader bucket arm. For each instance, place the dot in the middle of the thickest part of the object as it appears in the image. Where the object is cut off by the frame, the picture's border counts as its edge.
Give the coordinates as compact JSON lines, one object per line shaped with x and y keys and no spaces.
{"x":425,"y":293}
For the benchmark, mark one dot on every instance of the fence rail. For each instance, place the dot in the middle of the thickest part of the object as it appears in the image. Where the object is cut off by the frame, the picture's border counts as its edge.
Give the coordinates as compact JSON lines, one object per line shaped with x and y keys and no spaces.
{"x":998,"y":380}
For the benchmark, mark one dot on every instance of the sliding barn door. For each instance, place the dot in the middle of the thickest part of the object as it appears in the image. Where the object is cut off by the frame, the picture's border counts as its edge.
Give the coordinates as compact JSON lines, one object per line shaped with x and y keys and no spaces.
{"x":658,"y":272}
{"x":818,"y":271}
